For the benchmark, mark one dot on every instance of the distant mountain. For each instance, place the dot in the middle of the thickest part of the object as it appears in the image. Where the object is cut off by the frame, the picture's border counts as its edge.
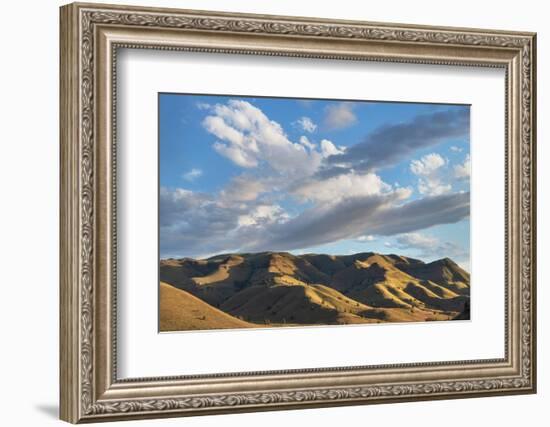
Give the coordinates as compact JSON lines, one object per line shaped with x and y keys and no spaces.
{"x":278,"y":288}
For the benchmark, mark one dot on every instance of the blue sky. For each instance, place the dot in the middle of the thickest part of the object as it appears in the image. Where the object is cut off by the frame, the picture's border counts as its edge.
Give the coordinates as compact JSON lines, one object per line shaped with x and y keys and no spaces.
{"x":251,"y":174}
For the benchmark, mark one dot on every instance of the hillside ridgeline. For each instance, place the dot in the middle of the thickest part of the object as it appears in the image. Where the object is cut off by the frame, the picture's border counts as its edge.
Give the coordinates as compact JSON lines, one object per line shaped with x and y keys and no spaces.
{"x":281,"y":289}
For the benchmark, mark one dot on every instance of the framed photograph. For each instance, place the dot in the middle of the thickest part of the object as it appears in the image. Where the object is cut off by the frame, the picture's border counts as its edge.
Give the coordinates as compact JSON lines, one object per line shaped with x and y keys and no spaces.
{"x":266,"y":212}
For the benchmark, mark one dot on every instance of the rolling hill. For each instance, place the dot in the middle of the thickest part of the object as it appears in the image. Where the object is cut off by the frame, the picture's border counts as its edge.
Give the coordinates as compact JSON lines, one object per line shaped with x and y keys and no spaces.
{"x":278,"y":288}
{"x":181,"y":311}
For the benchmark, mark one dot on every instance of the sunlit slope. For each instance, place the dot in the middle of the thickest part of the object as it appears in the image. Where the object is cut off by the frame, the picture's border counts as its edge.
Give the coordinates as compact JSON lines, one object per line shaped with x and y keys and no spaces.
{"x":281,"y":288}
{"x":180,"y":311}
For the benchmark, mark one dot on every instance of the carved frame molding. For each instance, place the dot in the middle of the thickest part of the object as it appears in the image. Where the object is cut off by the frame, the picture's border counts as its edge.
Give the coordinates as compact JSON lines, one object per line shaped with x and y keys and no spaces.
{"x":90,"y":36}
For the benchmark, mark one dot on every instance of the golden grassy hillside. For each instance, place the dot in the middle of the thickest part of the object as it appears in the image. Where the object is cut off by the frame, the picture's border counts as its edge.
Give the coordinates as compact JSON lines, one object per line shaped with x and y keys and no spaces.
{"x":181,"y":311}
{"x":284,"y":289}
{"x":296,"y":304}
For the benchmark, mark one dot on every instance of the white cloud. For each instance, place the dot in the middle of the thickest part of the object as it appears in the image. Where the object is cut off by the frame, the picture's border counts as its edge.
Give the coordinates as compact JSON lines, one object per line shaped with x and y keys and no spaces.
{"x":336,"y":188}
{"x":220,"y":128}
{"x":428,"y":168}
{"x":248,"y":138}
{"x":463,"y":171}
{"x":417,"y":240}
{"x":433,"y":187}
{"x":192,"y":174}
{"x":263,"y":215}
{"x":367,"y":238}
{"x":242,"y":189}
{"x":338,"y":116}
{"x":329,"y":149}
{"x":306,"y":124}
{"x":304,"y":140}
{"x":237,"y":155}
{"x":428,"y":164}
{"x":456,"y":149}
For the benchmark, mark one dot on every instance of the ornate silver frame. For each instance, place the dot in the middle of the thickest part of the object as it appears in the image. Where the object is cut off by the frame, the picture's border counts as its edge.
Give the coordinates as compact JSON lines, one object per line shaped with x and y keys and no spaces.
{"x":90,"y":36}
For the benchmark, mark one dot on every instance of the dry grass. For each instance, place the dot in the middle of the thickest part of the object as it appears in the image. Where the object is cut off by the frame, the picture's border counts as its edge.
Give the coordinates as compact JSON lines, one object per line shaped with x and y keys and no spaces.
{"x":280,"y":289}
{"x":181,"y":311}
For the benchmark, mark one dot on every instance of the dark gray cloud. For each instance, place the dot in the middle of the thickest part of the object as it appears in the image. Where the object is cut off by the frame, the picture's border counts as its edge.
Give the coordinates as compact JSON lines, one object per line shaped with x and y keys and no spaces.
{"x":197,"y":224}
{"x":358,"y":216}
{"x":194,"y":225}
{"x":324,"y":224}
{"x":422,"y":213}
{"x":388,"y":145}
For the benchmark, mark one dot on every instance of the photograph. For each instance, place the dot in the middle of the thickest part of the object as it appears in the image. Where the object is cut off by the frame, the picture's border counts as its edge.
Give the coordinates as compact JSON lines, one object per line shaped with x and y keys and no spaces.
{"x":288,"y":208}
{"x":280,"y":212}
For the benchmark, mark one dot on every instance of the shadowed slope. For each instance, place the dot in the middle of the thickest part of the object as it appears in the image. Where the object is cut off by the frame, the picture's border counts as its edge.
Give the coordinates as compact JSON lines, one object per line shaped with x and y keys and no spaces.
{"x":281,"y":288}
{"x":301,"y":303}
{"x":444,"y":272}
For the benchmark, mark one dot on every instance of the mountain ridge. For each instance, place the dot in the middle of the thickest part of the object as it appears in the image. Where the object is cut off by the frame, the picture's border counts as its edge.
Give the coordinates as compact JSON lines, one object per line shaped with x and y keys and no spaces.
{"x":281,"y":288}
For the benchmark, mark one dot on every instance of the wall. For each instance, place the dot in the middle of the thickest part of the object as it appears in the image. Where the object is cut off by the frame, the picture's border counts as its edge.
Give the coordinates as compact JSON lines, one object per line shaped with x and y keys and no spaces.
{"x":29,"y":226}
